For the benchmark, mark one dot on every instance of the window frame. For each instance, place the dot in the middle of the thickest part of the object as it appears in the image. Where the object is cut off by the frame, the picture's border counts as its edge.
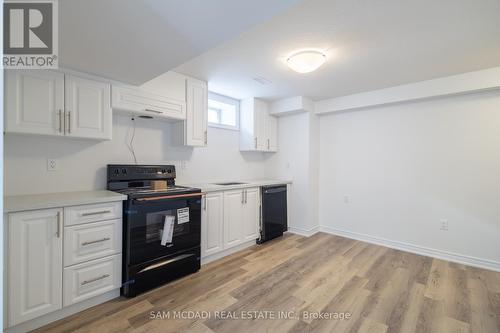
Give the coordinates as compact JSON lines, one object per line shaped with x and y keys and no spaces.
{"x":225,"y":100}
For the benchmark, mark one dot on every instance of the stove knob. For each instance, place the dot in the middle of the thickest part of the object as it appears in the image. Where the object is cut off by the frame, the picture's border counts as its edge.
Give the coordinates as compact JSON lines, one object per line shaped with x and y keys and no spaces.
{"x":116,"y":171}
{"x":124,"y":171}
{"x":163,"y":171}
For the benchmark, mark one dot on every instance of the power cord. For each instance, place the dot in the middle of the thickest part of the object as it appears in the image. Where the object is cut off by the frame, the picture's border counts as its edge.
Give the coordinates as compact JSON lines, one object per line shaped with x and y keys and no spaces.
{"x":130,"y":145}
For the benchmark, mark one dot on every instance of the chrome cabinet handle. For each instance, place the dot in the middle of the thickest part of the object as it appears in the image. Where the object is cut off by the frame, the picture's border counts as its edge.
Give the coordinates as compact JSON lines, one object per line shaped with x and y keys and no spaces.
{"x":94,"y":280}
{"x":58,"y":232}
{"x":255,"y":143}
{"x":60,"y":121}
{"x":206,"y":137}
{"x":205,"y":202}
{"x":242,"y":196}
{"x":96,"y":213}
{"x":268,"y":145}
{"x":69,"y":121}
{"x":246,"y":196}
{"x":154,"y":111}
{"x":96,"y":241}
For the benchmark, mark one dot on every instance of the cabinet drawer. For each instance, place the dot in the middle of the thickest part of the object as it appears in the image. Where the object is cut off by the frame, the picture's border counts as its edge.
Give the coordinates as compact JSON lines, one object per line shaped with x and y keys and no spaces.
{"x":89,"y":241}
{"x":92,"y":213}
{"x":91,"y":279}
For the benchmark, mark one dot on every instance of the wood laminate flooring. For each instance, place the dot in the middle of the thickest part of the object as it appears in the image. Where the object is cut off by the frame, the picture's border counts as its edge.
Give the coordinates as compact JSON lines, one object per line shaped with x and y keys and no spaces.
{"x":383,"y":290}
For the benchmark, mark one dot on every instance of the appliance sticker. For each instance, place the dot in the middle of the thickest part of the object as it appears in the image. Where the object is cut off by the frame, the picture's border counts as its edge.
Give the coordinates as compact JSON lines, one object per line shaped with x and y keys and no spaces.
{"x":182,"y":215}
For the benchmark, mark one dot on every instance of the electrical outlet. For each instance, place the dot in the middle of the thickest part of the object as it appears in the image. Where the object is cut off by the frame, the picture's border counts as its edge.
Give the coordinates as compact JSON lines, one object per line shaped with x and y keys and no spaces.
{"x":52,"y":164}
{"x":347,"y":199}
{"x":444,"y":225}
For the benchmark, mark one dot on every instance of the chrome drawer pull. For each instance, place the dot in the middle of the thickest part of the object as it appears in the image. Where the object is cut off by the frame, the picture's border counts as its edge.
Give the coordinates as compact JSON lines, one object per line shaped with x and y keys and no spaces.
{"x":94,"y":280}
{"x":96,"y":241}
{"x":97,"y":213}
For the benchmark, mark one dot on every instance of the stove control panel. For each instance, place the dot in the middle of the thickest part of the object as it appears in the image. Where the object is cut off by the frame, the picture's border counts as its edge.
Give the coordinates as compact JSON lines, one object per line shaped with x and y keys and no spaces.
{"x":117,"y":172}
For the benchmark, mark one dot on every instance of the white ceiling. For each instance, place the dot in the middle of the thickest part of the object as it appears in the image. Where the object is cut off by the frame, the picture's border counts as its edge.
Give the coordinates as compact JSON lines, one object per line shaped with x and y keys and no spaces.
{"x":136,"y":40}
{"x":371,"y":44}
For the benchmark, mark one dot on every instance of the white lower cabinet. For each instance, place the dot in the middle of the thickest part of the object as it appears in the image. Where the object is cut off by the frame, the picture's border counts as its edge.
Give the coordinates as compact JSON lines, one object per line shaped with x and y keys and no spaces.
{"x":90,"y":279}
{"x":251,"y":214}
{"x":89,"y":241}
{"x":212,"y":226}
{"x":52,"y":265}
{"x":34,"y":264}
{"x":233,"y":218}
{"x":229,"y":218}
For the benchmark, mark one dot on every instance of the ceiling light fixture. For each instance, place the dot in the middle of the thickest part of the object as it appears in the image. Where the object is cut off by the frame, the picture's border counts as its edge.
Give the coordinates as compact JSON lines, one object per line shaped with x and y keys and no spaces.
{"x":306,"y":61}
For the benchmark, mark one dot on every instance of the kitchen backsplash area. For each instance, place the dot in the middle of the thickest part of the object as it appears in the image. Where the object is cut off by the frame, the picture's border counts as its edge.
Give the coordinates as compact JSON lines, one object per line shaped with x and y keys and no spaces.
{"x":26,"y":169}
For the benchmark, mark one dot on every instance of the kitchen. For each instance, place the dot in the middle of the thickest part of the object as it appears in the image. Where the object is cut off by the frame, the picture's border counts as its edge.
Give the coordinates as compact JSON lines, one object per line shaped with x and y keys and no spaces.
{"x":257,"y":178}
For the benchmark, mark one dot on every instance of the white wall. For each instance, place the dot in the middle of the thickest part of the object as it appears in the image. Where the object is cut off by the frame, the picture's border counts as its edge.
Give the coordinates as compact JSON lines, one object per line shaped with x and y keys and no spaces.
{"x":296,"y":160}
{"x":407,"y":166}
{"x":82,"y":163}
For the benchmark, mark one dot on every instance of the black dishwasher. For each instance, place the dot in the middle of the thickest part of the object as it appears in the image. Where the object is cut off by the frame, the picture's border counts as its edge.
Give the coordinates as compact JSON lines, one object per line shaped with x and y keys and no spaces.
{"x":274,"y":212}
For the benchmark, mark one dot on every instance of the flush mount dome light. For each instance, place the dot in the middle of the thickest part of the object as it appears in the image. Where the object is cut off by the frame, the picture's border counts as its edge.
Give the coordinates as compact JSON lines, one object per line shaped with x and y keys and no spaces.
{"x":306,"y":61}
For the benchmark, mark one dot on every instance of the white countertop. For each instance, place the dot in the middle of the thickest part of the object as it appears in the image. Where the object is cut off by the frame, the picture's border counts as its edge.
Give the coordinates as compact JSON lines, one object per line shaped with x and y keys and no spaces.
{"x":18,"y":203}
{"x":212,"y":187}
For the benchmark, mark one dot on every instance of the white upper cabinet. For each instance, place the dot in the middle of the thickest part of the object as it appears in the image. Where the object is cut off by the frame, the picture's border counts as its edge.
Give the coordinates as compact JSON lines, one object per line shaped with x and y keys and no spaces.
{"x":88,"y":108}
{"x":34,"y":102}
{"x":34,"y":264}
{"x":258,"y":129}
{"x":272,"y":133}
{"x":163,"y":98}
{"x":136,"y":101}
{"x":193,"y":130}
{"x":197,"y":113}
{"x":52,"y":103}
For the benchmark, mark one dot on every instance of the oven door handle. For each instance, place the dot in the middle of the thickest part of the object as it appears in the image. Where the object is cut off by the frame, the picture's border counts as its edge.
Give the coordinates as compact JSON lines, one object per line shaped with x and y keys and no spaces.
{"x":165,"y":262}
{"x":165,"y":197}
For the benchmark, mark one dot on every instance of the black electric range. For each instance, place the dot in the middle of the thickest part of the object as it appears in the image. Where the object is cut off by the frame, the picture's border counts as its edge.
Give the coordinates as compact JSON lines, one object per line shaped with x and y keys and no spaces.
{"x":150,"y":258}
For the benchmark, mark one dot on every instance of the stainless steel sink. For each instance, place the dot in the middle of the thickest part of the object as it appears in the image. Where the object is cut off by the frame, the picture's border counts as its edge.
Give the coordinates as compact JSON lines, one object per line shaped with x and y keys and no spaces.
{"x":229,"y":183}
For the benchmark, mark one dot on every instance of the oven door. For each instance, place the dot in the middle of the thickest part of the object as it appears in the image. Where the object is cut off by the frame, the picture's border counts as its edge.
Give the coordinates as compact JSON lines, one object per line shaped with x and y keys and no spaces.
{"x":145,"y":221}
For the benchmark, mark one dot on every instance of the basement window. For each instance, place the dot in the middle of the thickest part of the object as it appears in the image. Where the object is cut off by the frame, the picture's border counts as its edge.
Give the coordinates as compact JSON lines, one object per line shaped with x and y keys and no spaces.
{"x":223,"y":112}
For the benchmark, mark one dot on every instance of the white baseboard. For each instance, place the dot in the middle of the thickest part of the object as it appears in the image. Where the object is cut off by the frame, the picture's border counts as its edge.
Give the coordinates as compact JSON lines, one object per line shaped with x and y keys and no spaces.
{"x":218,"y":255}
{"x":64,"y":312}
{"x":417,"y":249}
{"x":302,"y":231}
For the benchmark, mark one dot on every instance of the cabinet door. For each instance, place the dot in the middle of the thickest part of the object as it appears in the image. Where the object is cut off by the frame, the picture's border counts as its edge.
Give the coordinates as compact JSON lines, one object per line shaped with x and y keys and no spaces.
{"x":88,"y":108}
{"x":212,"y":224}
{"x":233,"y":218}
{"x":251,"y":214}
{"x":34,"y":102}
{"x":272,"y":133}
{"x":196,"y":117}
{"x":260,"y":124}
{"x":34,"y":264}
